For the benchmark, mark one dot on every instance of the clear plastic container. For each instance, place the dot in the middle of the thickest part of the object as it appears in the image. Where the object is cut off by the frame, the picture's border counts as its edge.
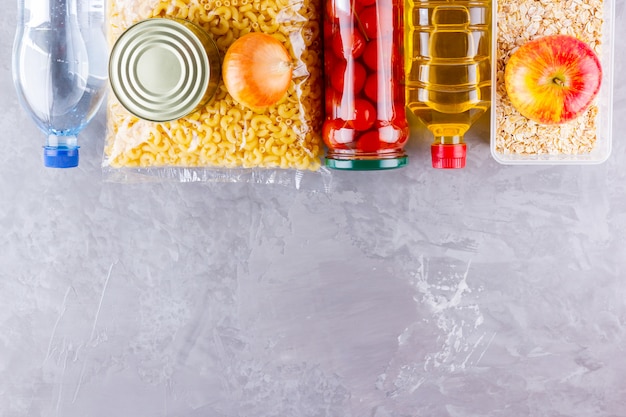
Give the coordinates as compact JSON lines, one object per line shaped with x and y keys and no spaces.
{"x":565,"y":135}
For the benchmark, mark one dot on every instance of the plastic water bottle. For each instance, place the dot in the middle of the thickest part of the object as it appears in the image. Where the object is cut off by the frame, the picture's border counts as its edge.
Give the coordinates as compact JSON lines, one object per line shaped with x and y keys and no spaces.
{"x":60,"y":70}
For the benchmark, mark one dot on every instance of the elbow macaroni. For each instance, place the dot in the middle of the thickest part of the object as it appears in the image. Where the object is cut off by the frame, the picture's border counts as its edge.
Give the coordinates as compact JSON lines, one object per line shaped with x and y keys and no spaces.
{"x":224,"y":133}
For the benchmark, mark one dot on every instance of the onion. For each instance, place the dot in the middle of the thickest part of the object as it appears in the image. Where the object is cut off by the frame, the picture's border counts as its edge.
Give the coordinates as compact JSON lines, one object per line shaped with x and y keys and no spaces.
{"x":257,"y":70}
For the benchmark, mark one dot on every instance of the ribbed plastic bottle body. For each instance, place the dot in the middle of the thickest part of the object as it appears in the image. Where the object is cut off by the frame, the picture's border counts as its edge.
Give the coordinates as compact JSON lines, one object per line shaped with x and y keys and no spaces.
{"x":60,"y":65}
{"x":448,"y":68}
{"x":365,"y":125}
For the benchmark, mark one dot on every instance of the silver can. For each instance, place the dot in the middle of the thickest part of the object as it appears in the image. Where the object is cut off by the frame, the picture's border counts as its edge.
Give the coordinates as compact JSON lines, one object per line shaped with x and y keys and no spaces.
{"x":162,"y":69}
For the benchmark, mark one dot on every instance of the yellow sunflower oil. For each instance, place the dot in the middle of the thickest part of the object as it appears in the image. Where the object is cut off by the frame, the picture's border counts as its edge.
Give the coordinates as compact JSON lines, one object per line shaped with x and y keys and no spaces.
{"x":448,"y":70}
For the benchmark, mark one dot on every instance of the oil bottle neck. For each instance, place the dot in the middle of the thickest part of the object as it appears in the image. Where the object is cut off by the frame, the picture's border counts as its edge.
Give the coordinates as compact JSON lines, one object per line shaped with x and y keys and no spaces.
{"x":448,"y":134}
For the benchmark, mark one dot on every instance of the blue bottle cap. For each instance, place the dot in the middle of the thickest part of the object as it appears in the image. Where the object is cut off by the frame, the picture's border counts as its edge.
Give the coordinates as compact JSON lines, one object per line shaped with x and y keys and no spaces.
{"x":60,"y":157}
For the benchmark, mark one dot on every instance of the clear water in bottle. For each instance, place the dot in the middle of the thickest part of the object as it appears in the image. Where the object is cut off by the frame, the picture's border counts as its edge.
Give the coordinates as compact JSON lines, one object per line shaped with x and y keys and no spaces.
{"x":60,"y":70}
{"x":448,"y":70}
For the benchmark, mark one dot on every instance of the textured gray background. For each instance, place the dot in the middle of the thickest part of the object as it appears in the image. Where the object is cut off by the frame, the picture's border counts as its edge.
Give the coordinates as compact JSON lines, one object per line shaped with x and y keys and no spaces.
{"x":492,"y":291}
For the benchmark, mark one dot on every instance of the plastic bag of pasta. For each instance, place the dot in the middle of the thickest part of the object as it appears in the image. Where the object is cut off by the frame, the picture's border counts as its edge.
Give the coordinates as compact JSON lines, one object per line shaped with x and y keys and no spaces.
{"x":172,"y":115}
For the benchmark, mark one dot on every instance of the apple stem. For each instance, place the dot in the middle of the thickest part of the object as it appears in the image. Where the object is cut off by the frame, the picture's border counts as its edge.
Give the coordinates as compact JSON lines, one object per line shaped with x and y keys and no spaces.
{"x":558,"y":81}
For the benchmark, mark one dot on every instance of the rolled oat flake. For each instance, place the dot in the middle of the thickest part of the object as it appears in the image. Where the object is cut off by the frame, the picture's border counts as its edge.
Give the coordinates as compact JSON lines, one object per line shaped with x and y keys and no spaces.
{"x":162,"y":69}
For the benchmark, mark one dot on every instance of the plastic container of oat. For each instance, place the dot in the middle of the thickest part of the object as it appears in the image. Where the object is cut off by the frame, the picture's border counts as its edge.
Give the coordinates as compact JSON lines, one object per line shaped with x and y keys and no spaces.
{"x":584,"y":140}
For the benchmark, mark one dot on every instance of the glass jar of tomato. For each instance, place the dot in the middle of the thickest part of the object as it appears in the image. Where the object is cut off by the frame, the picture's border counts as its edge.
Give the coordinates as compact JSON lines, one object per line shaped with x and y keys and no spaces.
{"x":365,"y":127}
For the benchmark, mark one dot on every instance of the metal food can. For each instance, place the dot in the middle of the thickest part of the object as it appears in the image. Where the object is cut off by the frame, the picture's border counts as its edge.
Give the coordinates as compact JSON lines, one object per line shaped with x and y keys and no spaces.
{"x":162,"y":69}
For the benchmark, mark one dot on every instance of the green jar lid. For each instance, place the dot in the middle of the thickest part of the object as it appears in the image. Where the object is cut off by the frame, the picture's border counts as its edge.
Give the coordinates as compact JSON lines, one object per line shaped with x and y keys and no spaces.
{"x":163,"y":69}
{"x":366,"y":164}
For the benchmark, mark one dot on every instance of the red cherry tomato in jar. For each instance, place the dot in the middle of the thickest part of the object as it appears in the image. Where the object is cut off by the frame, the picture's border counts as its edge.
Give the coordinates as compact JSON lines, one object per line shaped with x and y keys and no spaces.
{"x":368,"y":142}
{"x":340,"y":77}
{"x":348,"y":43}
{"x":337,"y":135}
{"x":333,"y":100}
{"x":370,"y":55}
{"x":365,"y":3}
{"x":369,"y":22}
{"x":364,"y":114}
{"x":371,"y":87}
{"x":392,"y":135}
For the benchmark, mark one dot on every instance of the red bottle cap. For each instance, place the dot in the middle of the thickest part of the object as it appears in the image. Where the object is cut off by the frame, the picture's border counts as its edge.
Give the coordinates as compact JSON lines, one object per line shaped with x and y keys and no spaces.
{"x":448,"y":156}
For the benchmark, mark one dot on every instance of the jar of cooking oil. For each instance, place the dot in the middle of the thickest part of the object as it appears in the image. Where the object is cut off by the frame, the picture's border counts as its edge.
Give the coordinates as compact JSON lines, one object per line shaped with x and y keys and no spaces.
{"x":448,"y":70}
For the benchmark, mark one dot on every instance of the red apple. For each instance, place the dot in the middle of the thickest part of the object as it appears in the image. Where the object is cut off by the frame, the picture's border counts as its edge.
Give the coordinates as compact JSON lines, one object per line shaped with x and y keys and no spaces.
{"x":553,"y":79}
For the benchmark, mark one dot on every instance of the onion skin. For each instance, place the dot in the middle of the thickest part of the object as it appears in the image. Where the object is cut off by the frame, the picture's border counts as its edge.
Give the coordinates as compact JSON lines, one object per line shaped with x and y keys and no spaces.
{"x":257,"y":70}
